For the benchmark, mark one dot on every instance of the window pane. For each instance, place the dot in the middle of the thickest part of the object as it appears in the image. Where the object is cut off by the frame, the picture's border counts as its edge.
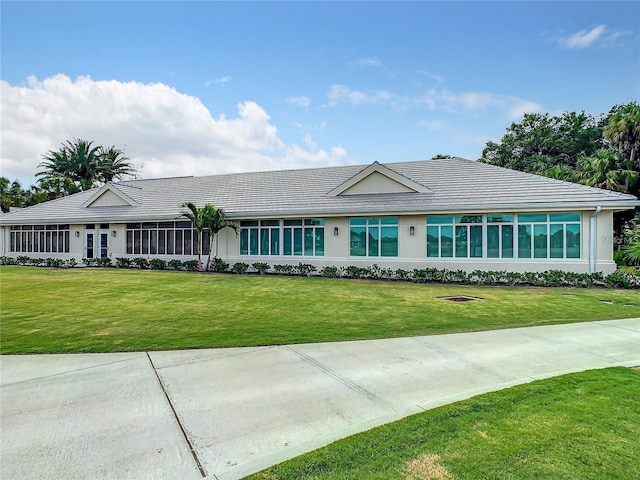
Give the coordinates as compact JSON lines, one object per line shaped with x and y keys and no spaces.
{"x":275,"y":241}
{"x":439,"y":219}
{"x":253,"y":241}
{"x":320,"y":242}
{"x":170,"y":242}
{"x":292,"y":223}
{"x":540,"y":241}
{"x":146,"y":225}
{"x":297,"y":241}
{"x":475,"y":243}
{"x":556,"y":241}
{"x":153,"y":242}
{"x":532,"y":217}
{"x":493,"y":241}
{"x":389,"y":220}
{"x":179,"y":242}
{"x":66,"y":241}
{"x":308,"y":241}
{"x":183,"y":224}
{"x":524,"y":241}
{"x":499,"y":218}
{"x":461,"y":241}
{"x":264,"y":241}
{"x":469,"y":219}
{"x":314,"y":221}
{"x":161,"y":239}
{"x":433,"y":239}
{"x":507,"y":241}
{"x":145,"y":242}
{"x":564,"y":217}
{"x":374,"y":241}
{"x":130,"y":242}
{"x":287,"y":243}
{"x":358,"y":241}
{"x":187,"y":242}
{"x":389,"y":241}
{"x":358,"y":221}
{"x":573,"y":241}
{"x":446,"y":241}
{"x":248,"y":223}
{"x":244,"y":241}
{"x":205,"y":242}
{"x":373,"y":221}
{"x":270,"y":223}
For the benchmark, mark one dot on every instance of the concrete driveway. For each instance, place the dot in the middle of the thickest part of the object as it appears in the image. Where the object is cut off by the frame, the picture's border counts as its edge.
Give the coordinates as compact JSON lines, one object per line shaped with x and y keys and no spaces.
{"x":225,"y":413}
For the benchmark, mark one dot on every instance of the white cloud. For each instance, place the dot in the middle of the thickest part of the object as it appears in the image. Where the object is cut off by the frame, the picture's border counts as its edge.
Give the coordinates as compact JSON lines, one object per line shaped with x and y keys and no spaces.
{"x":367,"y":62}
{"x":299,"y":101}
{"x":218,"y":81}
{"x":343,"y":94}
{"x":434,"y":76}
{"x":511,"y":107}
{"x":169,"y":132}
{"x":583,"y":38}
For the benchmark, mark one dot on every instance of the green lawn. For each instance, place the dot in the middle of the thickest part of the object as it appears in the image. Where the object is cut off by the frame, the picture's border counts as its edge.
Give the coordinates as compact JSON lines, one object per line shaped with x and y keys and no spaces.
{"x":583,"y":426}
{"x":104,"y":310}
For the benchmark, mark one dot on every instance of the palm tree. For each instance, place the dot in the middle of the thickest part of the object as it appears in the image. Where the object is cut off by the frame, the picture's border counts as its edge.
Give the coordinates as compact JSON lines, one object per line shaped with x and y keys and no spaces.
{"x":604,"y":170}
{"x":113,"y":164}
{"x":623,"y":130}
{"x":78,"y":160}
{"x":215,"y":221}
{"x":560,"y":172}
{"x":210,"y":218}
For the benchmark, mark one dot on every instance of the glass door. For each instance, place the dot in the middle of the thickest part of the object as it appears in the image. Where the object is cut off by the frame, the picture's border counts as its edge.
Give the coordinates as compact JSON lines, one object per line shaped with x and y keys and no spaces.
{"x":103,"y":245}
{"x":89,"y":243}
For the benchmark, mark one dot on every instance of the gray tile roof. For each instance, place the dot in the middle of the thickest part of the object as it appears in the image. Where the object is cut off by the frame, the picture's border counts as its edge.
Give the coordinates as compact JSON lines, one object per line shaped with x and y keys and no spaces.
{"x":456,"y":185}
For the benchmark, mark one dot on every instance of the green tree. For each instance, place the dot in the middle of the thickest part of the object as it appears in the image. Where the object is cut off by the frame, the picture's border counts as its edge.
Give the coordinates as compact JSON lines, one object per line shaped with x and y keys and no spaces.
{"x":622,"y":130}
{"x":85,"y":164}
{"x":604,"y":169}
{"x":12,"y":195}
{"x":113,"y":164}
{"x":541,"y":141}
{"x":207,"y":219}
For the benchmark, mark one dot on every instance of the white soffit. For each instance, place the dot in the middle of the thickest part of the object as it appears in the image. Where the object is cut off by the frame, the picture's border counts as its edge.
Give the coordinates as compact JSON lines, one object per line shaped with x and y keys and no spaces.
{"x":376,"y":179}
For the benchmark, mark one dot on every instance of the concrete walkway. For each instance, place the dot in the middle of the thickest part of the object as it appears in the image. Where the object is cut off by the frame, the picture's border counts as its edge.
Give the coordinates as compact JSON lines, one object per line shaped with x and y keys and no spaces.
{"x":225,"y":413}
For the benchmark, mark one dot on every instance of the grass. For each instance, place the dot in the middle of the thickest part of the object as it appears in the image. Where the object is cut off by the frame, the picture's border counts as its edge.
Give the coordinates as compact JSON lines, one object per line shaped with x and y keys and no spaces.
{"x":105,"y":310}
{"x":576,"y":427}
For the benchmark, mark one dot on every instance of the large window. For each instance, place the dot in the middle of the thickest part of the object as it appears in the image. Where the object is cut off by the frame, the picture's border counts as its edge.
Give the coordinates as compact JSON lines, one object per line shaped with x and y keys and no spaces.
{"x":165,"y":238}
{"x":374,"y":237}
{"x":554,"y":235}
{"x":39,"y":239}
{"x":539,"y":235}
{"x":295,"y":237}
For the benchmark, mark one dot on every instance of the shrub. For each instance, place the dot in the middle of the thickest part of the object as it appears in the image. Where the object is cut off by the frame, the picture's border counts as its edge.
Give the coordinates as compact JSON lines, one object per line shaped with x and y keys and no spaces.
{"x":218,"y":265}
{"x":37,"y":261}
{"x":70,"y":262}
{"x":305,"y":269}
{"x":22,"y":260}
{"x":261,"y":267}
{"x":402,"y":274}
{"x":240,"y":267}
{"x":190,"y":265}
{"x":103,"y":262}
{"x":8,"y":261}
{"x":141,"y":262}
{"x":157,"y":264}
{"x":175,"y":264}
{"x":122,"y":262}
{"x":285,"y":269}
{"x":330,"y":272}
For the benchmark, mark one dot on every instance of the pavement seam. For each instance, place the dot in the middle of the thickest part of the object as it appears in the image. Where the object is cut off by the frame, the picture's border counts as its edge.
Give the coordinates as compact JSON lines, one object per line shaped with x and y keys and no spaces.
{"x":342,"y":379}
{"x":69,"y":371}
{"x":192,"y":449}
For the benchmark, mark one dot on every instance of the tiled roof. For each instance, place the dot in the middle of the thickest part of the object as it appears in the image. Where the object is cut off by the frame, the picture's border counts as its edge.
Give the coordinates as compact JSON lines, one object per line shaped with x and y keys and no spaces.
{"x":455,"y":185}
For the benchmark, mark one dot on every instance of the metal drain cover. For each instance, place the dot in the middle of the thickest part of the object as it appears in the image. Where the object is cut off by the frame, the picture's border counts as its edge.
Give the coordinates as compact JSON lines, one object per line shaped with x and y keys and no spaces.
{"x":460,"y":298}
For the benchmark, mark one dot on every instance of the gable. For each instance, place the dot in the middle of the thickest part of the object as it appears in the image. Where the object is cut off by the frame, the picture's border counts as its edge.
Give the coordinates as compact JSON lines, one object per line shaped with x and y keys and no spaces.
{"x":376,"y":179}
{"x":376,"y":182}
{"x":109,"y":196}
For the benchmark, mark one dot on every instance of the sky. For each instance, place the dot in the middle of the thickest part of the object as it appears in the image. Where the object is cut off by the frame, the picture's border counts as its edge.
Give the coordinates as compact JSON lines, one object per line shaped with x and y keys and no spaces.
{"x":199,"y":88}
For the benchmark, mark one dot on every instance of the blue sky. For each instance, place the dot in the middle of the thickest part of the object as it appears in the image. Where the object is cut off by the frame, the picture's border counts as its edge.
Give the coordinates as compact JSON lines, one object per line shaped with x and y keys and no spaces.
{"x":190,"y":88}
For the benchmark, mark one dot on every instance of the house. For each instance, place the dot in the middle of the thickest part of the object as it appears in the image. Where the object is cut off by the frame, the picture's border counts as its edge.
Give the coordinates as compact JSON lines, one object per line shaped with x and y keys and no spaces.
{"x":445,"y":213}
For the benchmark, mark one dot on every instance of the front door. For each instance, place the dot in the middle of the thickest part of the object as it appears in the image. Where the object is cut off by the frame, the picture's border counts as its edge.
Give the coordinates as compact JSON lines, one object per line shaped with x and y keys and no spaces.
{"x":96,"y":243}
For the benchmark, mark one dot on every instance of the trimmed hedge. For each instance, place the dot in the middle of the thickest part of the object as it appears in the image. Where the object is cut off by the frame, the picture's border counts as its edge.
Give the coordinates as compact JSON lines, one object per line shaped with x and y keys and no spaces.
{"x":549,"y":278}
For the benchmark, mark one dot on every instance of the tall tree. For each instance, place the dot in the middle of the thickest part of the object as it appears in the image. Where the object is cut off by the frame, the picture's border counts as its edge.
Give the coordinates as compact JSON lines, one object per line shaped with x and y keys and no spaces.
{"x":622,"y":130}
{"x":604,"y":169}
{"x":85,"y":164}
{"x":113,"y":164}
{"x":541,"y":141}
{"x":207,"y":219}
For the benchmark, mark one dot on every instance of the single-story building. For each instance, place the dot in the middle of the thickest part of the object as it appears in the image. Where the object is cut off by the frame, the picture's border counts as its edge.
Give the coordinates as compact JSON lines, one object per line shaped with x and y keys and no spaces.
{"x":446,"y":213}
